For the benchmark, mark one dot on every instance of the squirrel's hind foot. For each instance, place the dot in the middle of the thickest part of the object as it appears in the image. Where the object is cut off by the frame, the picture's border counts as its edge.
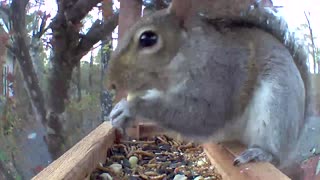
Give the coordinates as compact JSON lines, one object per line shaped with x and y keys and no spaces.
{"x":252,"y":154}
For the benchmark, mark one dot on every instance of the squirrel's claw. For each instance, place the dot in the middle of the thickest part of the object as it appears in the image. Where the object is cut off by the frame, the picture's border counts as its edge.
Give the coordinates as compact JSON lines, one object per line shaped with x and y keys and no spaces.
{"x":252,"y":154}
{"x":119,"y":114}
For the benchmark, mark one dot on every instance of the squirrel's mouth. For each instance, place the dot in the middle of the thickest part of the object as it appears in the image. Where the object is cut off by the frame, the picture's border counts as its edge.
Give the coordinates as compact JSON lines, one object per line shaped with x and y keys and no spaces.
{"x":134,"y":88}
{"x":131,"y":96}
{"x":131,"y":93}
{"x":147,"y":94}
{"x":137,"y":92}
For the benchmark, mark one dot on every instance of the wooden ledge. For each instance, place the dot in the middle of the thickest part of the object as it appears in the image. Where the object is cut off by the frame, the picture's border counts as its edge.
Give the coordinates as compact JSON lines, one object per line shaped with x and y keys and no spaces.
{"x":79,"y":161}
{"x":222,"y":156}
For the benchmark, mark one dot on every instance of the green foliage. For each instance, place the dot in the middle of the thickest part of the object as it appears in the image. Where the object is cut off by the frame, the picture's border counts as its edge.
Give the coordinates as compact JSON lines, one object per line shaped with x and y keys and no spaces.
{"x":18,"y":177}
{"x":97,"y":59}
{"x":318,"y":53}
{"x":30,"y":18}
{"x":90,"y":93}
{"x":9,"y":118}
{"x":10,"y":124}
{"x":107,"y":47}
{"x":95,"y":72}
{"x":89,"y":101}
{"x":3,"y":156}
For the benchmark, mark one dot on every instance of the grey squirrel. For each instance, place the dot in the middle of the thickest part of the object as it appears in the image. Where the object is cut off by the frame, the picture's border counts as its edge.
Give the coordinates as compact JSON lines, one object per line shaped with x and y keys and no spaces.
{"x":236,"y":78}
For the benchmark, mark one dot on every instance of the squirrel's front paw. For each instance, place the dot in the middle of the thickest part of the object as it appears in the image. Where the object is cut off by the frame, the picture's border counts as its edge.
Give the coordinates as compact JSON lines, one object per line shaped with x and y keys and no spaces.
{"x":120,"y":114}
{"x":252,"y":154}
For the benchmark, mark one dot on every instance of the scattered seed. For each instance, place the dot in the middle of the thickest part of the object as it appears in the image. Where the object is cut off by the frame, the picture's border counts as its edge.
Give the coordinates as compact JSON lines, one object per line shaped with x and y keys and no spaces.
{"x":156,"y":158}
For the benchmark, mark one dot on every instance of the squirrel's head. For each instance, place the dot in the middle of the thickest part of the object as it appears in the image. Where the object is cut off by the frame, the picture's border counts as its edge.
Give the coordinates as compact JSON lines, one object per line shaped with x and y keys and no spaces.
{"x":144,"y":52}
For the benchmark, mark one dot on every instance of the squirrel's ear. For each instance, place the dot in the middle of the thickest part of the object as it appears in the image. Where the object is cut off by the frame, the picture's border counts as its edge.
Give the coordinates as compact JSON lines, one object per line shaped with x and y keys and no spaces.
{"x":181,"y":9}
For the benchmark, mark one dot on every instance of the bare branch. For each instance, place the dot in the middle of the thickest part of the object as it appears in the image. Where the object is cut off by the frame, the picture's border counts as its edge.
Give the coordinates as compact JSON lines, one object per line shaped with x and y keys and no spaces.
{"x":43,"y":27}
{"x":11,"y":49}
{"x":4,"y":10}
{"x":97,"y":32}
{"x":312,"y":40}
{"x":4,"y":15}
{"x":81,"y":9}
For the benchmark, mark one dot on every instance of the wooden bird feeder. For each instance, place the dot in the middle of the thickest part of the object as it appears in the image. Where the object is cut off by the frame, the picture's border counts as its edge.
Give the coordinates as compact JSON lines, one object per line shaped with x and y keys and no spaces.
{"x":79,"y":161}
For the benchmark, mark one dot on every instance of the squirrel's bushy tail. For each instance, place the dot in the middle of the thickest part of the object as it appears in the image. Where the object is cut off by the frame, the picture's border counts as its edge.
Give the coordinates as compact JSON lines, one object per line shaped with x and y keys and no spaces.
{"x":267,"y":19}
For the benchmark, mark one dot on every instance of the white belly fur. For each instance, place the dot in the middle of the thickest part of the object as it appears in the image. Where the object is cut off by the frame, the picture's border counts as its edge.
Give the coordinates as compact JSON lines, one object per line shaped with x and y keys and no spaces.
{"x":258,"y":117}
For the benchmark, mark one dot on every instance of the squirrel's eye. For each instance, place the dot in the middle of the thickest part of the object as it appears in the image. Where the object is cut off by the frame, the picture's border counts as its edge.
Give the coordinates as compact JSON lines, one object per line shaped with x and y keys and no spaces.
{"x":148,"y":39}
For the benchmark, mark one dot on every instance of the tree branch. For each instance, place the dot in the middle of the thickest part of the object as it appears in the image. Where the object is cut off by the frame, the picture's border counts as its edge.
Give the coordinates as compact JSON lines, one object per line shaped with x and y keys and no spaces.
{"x":42,"y":28}
{"x":4,"y":10}
{"x":97,"y":32}
{"x":80,"y":10}
{"x":312,"y":40}
{"x":4,"y":15}
{"x":11,"y":49}
{"x":18,"y":8}
{"x":21,"y":49}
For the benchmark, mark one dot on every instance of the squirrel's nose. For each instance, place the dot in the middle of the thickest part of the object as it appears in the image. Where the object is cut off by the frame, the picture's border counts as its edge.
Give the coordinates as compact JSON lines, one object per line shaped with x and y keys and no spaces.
{"x":113,"y":86}
{"x":116,"y":89}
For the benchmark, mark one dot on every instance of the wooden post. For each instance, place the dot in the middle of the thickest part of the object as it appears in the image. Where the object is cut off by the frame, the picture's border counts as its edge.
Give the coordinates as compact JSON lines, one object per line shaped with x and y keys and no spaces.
{"x":130,"y":12}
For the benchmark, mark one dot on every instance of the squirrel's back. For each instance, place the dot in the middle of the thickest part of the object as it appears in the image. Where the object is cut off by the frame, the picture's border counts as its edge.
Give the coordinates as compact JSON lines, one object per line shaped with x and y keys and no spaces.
{"x":265,"y":18}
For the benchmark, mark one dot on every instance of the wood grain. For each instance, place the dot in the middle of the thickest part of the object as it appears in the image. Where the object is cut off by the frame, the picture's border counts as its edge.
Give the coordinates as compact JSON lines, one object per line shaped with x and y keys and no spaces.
{"x":222,"y":156}
{"x":79,"y":161}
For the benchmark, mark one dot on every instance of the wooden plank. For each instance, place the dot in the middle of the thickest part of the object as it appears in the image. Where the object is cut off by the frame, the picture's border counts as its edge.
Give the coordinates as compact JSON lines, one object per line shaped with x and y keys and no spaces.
{"x":147,"y":130}
{"x":141,"y":130}
{"x":79,"y":161}
{"x":222,"y":156}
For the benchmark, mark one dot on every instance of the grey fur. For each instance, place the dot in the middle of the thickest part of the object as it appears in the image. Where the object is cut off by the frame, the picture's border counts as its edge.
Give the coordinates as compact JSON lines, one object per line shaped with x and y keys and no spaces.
{"x":223,"y":81}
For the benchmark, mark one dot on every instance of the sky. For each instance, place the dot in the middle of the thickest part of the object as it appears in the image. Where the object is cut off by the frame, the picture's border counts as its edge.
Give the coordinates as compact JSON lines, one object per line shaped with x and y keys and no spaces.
{"x":293,"y":12}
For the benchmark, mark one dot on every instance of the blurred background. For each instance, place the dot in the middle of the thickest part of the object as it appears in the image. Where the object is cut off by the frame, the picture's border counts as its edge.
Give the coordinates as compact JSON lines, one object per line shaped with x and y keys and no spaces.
{"x":52,"y":88}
